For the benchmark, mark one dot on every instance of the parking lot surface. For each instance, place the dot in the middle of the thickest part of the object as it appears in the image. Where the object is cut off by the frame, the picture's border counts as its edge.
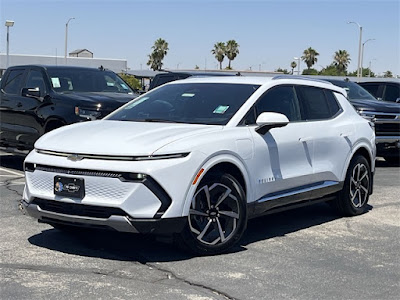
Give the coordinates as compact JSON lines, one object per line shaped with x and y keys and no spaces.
{"x":307,"y":253}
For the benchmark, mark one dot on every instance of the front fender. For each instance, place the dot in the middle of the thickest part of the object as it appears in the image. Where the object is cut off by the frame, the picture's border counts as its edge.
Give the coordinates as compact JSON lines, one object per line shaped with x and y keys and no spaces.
{"x":208,"y":164}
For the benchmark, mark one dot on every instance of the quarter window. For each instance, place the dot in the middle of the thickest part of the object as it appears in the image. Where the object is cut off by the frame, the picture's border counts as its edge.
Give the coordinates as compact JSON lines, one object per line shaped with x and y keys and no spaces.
{"x":14,"y":81}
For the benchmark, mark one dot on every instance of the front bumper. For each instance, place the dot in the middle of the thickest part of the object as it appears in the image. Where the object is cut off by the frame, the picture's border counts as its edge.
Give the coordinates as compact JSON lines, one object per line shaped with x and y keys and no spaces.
{"x":388,"y":146}
{"x":95,"y":217}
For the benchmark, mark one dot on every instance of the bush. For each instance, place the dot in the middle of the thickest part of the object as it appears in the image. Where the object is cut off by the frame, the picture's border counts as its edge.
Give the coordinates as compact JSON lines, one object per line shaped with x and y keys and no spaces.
{"x":131,"y":81}
{"x":310,"y":72}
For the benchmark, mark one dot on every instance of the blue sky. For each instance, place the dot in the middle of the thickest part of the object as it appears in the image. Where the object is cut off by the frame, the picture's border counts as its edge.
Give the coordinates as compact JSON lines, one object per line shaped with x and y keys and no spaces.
{"x":270,"y":33}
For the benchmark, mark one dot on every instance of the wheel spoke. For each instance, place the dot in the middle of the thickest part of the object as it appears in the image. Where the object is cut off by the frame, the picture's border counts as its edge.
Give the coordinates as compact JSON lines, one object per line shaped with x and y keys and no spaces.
{"x":230,"y":214}
{"x":359,"y":198}
{"x":364,"y":175}
{"x":221,"y":233}
{"x":353,"y":181}
{"x":364,"y":189}
{"x":353,"y":196}
{"x":201,"y":235}
{"x":198,"y":213}
{"x":358,"y":171}
{"x":223,"y":197}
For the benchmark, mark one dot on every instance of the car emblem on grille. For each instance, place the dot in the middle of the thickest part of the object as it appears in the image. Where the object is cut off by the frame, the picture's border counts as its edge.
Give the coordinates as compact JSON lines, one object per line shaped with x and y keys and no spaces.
{"x":75,"y":157}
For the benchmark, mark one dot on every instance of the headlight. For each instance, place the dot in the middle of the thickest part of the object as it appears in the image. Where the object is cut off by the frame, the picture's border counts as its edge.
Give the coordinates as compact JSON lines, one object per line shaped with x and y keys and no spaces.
{"x":369,"y":116}
{"x":87,"y":113}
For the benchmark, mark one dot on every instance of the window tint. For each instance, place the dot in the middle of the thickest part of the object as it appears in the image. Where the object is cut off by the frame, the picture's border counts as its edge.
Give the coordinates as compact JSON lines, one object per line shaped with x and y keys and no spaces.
{"x":332,"y":103}
{"x":14,"y":81}
{"x":392,"y":92}
{"x":314,"y":102}
{"x":372,"y":88}
{"x":281,"y":99}
{"x":35,"y":80}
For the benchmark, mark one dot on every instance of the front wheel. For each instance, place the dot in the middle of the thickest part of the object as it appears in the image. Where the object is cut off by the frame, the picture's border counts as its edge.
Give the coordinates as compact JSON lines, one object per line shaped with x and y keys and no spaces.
{"x":353,"y":198}
{"x":217,"y":216}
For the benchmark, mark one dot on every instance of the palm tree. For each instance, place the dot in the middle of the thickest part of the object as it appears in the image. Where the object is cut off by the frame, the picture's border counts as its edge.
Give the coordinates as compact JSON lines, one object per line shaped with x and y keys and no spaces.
{"x":341,"y":60}
{"x":310,"y":57}
{"x":219,"y":52}
{"x":231,"y":51}
{"x":293,"y":65}
{"x":160,"y":49}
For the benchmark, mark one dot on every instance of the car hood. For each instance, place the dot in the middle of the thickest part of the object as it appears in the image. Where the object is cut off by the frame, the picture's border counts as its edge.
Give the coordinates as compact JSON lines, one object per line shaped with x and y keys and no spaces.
{"x":375,"y":105}
{"x":106,"y":137}
{"x":92,"y":98}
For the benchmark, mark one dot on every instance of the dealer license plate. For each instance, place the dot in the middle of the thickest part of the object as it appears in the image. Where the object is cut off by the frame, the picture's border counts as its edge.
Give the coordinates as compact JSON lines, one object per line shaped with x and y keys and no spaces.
{"x":69,"y":187}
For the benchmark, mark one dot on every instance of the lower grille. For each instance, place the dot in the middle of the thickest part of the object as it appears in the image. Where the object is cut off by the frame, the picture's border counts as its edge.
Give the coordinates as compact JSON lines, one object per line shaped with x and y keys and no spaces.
{"x":387,"y":129}
{"x":78,"y":209}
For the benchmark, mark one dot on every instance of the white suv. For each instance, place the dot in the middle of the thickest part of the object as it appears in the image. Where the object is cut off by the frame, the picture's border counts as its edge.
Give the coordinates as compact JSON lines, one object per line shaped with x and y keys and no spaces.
{"x":197,"y":158}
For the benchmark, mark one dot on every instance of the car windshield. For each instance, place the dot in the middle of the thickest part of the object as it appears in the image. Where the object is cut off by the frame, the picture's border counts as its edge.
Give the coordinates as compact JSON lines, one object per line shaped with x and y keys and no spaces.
{"x":354,"y":91}
{"x":78,"y":80}
{"x":194,"y":103}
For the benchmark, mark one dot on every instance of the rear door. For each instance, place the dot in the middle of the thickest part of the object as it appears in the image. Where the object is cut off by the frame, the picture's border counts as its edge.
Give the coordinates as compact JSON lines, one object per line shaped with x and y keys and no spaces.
{"x":392,"y":92}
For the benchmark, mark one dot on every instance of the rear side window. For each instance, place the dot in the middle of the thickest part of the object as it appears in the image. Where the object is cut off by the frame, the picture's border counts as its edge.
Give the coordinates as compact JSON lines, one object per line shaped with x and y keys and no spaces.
{"x":14,"y":81}
{"x":317,"y":103}
{"x":392,"y":93}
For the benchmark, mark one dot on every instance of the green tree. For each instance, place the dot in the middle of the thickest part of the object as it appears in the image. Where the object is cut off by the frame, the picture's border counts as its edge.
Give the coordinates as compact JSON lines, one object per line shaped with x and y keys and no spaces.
{"x":310,"y":57}
{"x":160,"y":49}
{"x":131,"y":80}
{"x":284,"y":71}
{"x":293,"y":65}
{"x":310,"y":71}
{"x":366,"y":72}
{"x":330,"y":70}
{"x":341,"y":60}
{"x":219,"y":52}
{"x":388,"y":74}
{"x":231,"y":51}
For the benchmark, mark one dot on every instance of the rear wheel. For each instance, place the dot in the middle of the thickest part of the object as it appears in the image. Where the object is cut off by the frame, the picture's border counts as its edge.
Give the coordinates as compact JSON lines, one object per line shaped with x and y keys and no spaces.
{"x":353,"y":198}
{"x":217,"y":216}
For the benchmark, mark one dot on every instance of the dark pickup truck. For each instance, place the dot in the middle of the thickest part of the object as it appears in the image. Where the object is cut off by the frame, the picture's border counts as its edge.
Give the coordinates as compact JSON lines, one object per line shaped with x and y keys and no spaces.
{"x":36,"y":99}
{"x":384,"y":115}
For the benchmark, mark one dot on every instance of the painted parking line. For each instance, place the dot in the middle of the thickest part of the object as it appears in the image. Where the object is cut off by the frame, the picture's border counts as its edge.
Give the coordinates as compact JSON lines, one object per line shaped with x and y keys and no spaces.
{"x":19,"y":174}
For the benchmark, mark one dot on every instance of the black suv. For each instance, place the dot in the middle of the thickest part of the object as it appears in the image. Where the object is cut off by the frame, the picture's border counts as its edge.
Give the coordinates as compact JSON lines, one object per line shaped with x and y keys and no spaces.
{"x":384,"y":115}
{"x":383,"y":89}
{"x":36,"y":99}
{"x":162,"y":78}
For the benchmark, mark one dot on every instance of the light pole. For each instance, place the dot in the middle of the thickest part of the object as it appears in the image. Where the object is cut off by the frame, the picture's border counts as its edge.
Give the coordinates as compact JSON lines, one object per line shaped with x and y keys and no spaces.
{"x":369,"y":67}
{"x":298,"y":64}
{"x":359,"y":48}
{"x":8,"y":25}
{"x":66,"y":38}
{"x":362,"y":53}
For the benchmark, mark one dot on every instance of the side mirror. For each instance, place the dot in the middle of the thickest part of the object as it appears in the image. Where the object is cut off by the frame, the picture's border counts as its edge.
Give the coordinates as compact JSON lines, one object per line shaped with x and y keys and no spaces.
{"x":269,"y":120}
{"x":398,"y":100}
{"x":31,"y":92}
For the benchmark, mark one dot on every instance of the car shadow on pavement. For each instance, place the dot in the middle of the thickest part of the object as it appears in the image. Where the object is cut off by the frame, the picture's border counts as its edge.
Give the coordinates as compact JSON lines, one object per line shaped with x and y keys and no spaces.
{"x":147,"y":249}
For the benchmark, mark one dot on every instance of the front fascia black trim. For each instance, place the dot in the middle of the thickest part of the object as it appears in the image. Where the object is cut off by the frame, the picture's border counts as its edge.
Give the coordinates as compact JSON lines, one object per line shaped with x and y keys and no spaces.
{"x":279,"y":201}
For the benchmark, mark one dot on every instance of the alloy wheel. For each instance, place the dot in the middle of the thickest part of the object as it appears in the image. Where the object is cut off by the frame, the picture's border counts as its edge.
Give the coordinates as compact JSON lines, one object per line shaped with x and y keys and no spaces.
{"x":359,"y":185}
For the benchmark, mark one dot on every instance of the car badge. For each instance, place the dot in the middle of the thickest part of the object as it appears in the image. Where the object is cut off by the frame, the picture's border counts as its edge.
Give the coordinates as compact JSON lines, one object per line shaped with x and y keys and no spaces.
{"x":74,"y":157}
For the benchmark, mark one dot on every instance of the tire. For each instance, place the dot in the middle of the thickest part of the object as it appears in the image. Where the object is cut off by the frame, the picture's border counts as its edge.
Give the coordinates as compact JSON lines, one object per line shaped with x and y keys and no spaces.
{"x":353,"y":198}
{"x":393,"y":160}
{"x":217,"y":216}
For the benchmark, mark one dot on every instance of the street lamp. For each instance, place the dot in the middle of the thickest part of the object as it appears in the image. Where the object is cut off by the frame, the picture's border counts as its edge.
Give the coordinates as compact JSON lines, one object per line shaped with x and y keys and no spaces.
{"x":66,"y":38}
{"x":8,"y":25}
{"x":359,"y":48}
{"x":362,"y":53}
{"x":298,"y":65}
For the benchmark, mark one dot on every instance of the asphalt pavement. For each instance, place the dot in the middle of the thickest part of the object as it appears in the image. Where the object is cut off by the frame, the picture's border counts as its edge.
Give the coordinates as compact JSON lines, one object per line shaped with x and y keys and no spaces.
{"x":306,"y":253}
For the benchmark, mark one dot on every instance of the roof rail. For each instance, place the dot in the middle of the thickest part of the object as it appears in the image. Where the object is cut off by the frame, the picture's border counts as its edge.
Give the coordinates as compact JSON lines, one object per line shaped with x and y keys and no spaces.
{"x":300,"y":77}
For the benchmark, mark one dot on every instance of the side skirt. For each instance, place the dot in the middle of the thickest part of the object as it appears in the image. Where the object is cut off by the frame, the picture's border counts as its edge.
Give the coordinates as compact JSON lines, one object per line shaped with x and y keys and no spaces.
{"x":294,"y":198}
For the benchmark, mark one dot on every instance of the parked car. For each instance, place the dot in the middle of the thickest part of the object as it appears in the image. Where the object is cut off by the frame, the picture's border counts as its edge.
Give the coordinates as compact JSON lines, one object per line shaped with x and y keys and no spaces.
{"x":384,"y":115}
{"x":383,"y":88}
{"x":36,"y":99}
{"x":163,"y":78}
{"x":197,"y":158}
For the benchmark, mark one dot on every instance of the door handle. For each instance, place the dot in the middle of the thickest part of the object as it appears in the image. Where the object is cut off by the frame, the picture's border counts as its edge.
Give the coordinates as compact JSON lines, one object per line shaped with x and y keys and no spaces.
{"x":19,"y":104}
{"x":305,"y":139}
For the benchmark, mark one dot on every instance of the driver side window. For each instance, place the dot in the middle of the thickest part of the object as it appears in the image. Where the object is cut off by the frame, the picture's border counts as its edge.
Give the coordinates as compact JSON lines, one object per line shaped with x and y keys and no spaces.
{"x":35,"y":80}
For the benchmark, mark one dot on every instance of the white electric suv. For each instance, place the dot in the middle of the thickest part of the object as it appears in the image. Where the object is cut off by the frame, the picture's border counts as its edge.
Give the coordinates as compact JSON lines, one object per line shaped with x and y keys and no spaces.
{"x":197,"y":158}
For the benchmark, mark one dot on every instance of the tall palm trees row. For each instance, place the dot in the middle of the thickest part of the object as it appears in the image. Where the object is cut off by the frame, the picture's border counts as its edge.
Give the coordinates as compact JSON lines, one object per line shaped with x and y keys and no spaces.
{"x":341,"y":59}
{"x":230,"y":50}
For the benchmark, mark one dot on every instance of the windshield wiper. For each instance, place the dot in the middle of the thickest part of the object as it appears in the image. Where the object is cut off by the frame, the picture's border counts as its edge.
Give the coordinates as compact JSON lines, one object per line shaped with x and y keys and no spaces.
{"x":161,"y":121}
